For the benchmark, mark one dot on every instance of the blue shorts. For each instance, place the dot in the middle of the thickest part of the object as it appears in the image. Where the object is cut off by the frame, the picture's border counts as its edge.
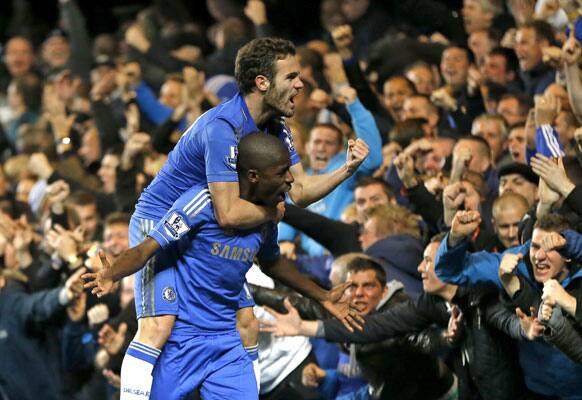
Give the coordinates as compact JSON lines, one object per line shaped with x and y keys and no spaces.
{"x":155,"y":284}
{"x":217,"y":364}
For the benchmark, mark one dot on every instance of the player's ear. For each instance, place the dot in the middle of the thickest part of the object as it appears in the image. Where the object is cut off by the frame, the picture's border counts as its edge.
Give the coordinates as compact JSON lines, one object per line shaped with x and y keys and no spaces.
{"x":262,"y":83}
{"x":253,"y":175}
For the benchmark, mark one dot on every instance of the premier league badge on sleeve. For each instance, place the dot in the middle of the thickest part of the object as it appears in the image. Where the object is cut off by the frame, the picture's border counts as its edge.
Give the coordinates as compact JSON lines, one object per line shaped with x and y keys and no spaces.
{"x":175,"y":225}
{"x":231,"y":158}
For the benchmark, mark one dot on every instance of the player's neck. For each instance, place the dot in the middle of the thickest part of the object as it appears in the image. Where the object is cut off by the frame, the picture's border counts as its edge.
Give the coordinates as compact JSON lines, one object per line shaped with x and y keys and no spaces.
{"x":259,"y":112}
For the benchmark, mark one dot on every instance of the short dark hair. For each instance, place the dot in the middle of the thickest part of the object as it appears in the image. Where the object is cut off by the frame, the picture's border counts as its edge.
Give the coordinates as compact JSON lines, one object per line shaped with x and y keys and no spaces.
{"x":525,"y":102}
{"x":117,"y":217}
{"x":258,"y":57}
{"x":544,"y":31}
{"x":409,"y":83}
{"x":511,"y":61}
{"x":359,"y":264}
{"x":404,"y":132}
{"x":332,"y":127}
{"x":259,"y":150}
{"x":552,"y":223}
{"x":368,"y":180}
{"x":478,"y":139}
{"x":29,"y":86}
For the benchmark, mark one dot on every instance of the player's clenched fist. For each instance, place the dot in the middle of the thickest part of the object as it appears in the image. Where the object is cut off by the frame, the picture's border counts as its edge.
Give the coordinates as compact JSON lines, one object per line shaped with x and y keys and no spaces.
{"x":357,"y":152}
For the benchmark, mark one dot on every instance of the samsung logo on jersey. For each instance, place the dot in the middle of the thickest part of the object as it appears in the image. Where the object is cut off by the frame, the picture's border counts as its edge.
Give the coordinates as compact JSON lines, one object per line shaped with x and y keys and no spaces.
{"x":234,"y":253}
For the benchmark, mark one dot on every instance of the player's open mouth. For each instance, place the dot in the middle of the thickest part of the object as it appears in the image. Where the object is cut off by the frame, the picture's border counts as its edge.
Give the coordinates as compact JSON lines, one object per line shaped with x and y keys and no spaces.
{"x":321,"y":158}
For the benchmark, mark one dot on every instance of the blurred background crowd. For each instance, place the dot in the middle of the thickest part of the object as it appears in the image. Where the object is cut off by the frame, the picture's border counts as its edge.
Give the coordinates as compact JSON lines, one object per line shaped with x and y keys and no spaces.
{"x":454,"y":99}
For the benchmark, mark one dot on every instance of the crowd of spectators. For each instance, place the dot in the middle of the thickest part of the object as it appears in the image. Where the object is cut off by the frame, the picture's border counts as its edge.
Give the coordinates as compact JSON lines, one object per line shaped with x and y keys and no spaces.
{"x":459,"y":233}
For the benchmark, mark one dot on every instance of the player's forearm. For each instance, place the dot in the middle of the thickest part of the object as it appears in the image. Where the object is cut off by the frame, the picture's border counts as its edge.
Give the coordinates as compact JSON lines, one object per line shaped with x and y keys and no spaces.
{"x":308,"y":189}
{"x":285,"y":271}
{"x":243,"y":214}
{"x":132,"y":260}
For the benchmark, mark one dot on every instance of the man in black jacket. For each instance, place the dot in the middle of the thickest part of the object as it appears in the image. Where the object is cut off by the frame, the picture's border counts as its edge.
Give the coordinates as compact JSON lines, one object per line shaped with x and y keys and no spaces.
{"x":30,"y":361}
{"x":481,"y":356}
{"x":395,"y":369}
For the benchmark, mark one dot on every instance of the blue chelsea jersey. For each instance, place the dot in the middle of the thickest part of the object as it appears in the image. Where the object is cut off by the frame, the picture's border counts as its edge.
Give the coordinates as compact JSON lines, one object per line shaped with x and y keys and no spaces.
{"x":211,"y":269}
{"x":207,"y":152}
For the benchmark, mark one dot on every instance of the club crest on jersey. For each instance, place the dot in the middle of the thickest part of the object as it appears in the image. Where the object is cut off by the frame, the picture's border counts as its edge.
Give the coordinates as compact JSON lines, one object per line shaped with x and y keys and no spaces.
{"x":175,"y":225}
{"x":169,"y":294}
{"x":231,"y":158}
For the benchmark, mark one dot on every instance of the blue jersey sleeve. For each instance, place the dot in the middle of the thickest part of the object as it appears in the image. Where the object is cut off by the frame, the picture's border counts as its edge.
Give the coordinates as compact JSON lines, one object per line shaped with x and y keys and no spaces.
{"x":457,"y":266}
{"x":187,"y":213}
{"x":270,"y":247}
{"x":221,"y":151}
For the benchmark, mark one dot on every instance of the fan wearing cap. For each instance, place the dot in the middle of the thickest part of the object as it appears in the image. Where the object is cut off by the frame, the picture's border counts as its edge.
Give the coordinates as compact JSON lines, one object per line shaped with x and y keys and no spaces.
{"x":519,"y":178}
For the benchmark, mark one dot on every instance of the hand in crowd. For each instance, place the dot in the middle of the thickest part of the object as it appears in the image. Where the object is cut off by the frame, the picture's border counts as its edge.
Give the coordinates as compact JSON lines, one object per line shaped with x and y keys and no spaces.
{"x":453,"y":198}
{"x":112,"y":378}
{"x":455,"y":329}
{"x":547,"y":107}
{"x":404,"y":164}
{"x":553,"y":241}
{"x":531,"y":326}
{"x":132,"y":118}
{"x":99,"y":282}
{"x":138,"y":143}
{"x":56,"y":194}
{"x":507,"y":273}
{"x":288,"y":250}
{"x":334,"y":70}
{"x":65,"y":243}
{"x":339,"y":305}
{"x":342,"y":38}
{"x":112,"y":340}
{"x":571,"y":50}
{"x":356,"y":154}
{"x":98,"y":314}
{"x":553,"y":173}
{"x":319,"y":99}
{"x":104,"y":86}
{"x":554,"y":293}
{"x":39,"y":165}
{"x":347,"y":95}
{"x":442,"y":98}
{"x":256,"y":11}
{"x":548,"y":197}
{"x":74,"y":285}
{"x":545,"y":313}
{"x":76,"y":308}
{"x":552,"y":56}
{"x":284,"y":324}
{"x":135,"y":36}
{"x":312,"y":375}
{"x":464,"y":225}
{"x":461,"y":161}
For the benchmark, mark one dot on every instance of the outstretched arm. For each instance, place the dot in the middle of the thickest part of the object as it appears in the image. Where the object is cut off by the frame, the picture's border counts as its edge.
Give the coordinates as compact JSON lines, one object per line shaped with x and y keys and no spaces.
{"x":309,"y":188}
{"x":333,"y":300}
{"x":128,"y":263}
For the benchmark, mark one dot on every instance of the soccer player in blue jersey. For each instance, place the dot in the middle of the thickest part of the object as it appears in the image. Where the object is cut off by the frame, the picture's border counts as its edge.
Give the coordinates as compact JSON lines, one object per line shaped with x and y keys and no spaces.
{"x":267,"y":73}
{"x":204,"y":349}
